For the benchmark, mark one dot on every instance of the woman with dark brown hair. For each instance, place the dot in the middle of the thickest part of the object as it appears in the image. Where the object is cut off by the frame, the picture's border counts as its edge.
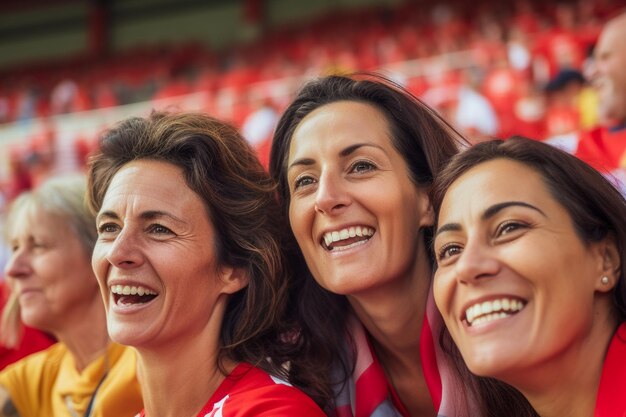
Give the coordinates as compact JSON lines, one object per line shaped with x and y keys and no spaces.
{"x":354,"y":159}
{"x":530,"y":246}
{"x":190,"y":267}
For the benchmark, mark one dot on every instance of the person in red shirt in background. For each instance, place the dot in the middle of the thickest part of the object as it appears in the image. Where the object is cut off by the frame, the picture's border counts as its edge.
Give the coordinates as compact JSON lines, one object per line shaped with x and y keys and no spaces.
{"x":604,"y":147}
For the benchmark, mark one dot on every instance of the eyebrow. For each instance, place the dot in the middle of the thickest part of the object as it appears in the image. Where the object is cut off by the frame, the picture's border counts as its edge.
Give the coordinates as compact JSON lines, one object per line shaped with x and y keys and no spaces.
{"x":343,"y":153}
{"x":489,"y":213}
{"x":146,"y":215}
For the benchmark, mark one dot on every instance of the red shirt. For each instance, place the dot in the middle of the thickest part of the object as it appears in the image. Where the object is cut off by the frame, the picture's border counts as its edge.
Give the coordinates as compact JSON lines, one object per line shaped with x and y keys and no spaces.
{"x":611,"y":401}
{"x":251,"y":392}
{"x":603,"y":149}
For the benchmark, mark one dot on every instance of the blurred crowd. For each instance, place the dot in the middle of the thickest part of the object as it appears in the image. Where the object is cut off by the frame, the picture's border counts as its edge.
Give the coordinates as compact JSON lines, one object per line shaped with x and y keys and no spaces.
{"x":503,"y":68}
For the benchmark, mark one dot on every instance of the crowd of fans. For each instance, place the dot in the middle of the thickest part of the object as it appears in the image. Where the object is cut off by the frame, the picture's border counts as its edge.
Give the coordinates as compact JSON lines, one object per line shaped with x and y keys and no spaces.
{"x":520,"y":72}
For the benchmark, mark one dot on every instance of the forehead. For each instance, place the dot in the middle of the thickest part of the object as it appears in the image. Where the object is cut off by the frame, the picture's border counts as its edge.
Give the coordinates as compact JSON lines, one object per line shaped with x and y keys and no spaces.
{"x":157,"y":183}
{"x":612,"y":38}
{"x":335,"y":124}
{"x":31,"y":219}
{"x":493,"y":182}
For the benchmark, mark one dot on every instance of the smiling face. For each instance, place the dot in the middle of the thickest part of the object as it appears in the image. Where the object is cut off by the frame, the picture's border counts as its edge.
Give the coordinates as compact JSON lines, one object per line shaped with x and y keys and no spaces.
{"x":607,"y":73}
{"x":49,"y":269}
{"x":155,"y":257}
{"x":515,"y":284}
{"x":353,"y":209}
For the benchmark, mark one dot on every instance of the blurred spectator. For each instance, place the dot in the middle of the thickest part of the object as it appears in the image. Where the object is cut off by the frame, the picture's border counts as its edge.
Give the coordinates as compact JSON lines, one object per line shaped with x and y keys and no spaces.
{"x":563,"y":91}
{"x":258,"y":128}
{"x":605,"y":146}
{"x":63,"y":96}
{"x":474,"y":114}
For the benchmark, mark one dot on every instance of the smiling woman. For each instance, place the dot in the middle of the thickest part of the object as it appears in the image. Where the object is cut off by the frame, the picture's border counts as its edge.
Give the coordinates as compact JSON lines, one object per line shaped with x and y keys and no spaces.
{"x":354,"y":159}
{"x":51,"y":233}
{"x":530,"y":276}
{"x":190,"y":268}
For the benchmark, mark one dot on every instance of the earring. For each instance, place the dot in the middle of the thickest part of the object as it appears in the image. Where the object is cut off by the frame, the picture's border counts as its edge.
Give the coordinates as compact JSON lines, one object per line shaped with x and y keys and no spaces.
{"x":604,"y":280}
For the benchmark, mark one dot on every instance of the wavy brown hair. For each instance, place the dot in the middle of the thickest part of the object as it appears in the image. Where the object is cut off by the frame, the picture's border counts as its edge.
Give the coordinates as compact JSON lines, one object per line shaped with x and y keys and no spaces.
{"x":221,"y":168}
{"x":424,"y":140}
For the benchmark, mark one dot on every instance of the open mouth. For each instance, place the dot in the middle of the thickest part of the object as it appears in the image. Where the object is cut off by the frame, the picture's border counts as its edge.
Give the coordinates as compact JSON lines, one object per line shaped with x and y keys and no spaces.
{"x":347,"y":238}
{"x":487,"y":311}
{"x":129,"y":294}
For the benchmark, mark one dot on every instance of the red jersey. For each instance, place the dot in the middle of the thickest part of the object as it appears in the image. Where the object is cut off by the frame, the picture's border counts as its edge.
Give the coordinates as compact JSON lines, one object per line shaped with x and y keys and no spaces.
{"x":603,"y":148}
{"x":611,"y":401}
{"x":250,"y":392}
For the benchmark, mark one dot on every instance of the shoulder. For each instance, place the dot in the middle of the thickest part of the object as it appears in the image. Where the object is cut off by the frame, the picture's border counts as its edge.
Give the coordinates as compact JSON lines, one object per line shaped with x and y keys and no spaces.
{"x":36,"y":363}
{"x":255,"y":393}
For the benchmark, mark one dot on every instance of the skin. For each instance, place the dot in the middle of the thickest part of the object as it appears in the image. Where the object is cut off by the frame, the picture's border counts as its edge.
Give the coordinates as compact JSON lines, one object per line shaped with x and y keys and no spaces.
{"x":50,"y":271}
{"x":520,"y":243}
{"x":607,"y":74}
{"x":155,"y":232}
{"x":345,"y":172}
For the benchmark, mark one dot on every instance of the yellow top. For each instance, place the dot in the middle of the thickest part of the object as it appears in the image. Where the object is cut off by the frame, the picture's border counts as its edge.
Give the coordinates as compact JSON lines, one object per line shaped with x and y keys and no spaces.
{"x":48,"y":384}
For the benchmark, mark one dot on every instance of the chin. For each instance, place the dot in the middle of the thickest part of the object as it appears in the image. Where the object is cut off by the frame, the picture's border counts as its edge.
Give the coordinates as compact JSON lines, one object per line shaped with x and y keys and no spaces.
{"x":124,"y":334}
{"x":488,"y":365}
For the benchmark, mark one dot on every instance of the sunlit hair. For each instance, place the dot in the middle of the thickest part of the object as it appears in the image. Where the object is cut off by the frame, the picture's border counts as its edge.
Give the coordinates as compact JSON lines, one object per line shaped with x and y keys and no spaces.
{"x":423,"y":139}
{"x":596,"y":207}
{"x":223,"y":170}
{"x":64,"y":198}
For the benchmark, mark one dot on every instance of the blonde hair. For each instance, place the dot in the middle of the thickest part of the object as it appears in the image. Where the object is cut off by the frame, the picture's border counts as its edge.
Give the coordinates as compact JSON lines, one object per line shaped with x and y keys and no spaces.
{"x":63,"y":197}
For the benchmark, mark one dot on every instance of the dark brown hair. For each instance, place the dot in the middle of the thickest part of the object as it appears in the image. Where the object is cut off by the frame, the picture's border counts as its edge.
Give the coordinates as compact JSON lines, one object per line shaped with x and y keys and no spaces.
{"x":424,"y":140}
{"x":596,"y":207}
{"x":221,"y":168}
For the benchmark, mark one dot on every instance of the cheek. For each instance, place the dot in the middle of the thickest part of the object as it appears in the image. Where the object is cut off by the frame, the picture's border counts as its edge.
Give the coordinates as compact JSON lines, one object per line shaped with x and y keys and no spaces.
{"x":442,"y":292}
{"x":298,"y":222}
{"x":99,"y":261}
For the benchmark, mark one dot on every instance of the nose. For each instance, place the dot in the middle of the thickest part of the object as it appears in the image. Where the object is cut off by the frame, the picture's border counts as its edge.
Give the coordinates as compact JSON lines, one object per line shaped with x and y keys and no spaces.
{"x":18,"y":265}
{"x":590,"y":69}
{"x":476,"y":262}
{"x":125,"y":250}
{"x":331,"y":196}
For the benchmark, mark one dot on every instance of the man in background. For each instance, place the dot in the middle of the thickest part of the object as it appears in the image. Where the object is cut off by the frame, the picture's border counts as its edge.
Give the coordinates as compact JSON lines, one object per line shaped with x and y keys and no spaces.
{"x":604,"y":147}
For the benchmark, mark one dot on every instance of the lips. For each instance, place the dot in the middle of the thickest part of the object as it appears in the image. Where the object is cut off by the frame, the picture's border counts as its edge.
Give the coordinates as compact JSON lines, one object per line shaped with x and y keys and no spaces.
{"x":346,"y":238}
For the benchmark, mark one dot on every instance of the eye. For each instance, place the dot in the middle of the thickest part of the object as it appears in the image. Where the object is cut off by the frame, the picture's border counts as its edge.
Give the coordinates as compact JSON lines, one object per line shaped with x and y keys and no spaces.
{"x":362,"y":166}
{"x":107,"y":228}
{"x":38,"y":244}
{"x":509,"y":227}
{"x":447,"y":251}
{"x":303,"y":181}
{"x":159,"y":229}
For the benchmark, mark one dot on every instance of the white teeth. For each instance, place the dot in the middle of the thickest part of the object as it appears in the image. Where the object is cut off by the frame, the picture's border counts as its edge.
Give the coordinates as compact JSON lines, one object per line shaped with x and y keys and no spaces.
{"x":131,"y":290}
{"x":492,"y":310}
{"x":347,"y":233}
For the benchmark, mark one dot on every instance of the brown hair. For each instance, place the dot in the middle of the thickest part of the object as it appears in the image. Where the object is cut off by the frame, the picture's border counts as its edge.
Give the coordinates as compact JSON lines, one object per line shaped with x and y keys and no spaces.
{"x":423,"y":139}
{"x":221,"y":168}
{"x":596,"y":207}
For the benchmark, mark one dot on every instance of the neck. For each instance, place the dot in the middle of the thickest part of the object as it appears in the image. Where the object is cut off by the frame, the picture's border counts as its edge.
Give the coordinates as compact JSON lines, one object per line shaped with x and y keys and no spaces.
{"x":177,"y":379}
{"x":393,"y":316}
{"x":568,"y":383}
{"x":84,"y":332}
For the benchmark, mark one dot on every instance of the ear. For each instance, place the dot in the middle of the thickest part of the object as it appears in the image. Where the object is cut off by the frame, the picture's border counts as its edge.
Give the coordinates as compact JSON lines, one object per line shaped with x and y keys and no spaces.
{"x":426,"y":211}
{"x":232,"y":279}
{"x":611,"y":264}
